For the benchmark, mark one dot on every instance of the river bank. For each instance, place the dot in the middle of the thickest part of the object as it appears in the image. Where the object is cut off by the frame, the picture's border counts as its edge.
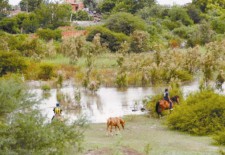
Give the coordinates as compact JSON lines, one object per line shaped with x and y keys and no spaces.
{"x":145,"y":135}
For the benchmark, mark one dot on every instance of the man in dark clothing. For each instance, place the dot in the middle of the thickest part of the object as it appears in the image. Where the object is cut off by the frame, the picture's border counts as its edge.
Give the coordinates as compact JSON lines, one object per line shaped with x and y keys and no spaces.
{"x":167,"y":98}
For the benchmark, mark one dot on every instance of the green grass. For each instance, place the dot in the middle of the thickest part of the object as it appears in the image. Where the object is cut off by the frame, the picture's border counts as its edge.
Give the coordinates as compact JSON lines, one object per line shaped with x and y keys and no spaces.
{"x":142,"y":132}
{"x":58,"y":60}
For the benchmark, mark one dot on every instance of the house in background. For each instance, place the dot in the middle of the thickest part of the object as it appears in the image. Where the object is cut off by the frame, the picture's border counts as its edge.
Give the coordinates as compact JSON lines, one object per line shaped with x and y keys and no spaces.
{"x":76,"y":4}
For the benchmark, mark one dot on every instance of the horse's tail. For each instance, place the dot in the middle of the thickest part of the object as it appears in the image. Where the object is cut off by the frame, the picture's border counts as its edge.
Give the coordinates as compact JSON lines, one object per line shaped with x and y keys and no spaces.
{"x":157,"y":107}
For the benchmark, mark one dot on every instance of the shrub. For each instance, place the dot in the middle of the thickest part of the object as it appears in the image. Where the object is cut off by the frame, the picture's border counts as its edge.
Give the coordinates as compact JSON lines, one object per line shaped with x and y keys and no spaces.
{"x":46,"y":71}
{"x":11,"y":62}
{"x":180,"y":14}
{"x":48,"y":34}
{"x":28,"y":133}
{"x":81,"y":15}
{"x":139,"y":41}
{"x":12,"y":96}
{"x":125,"y":23}
{"x":112,"y":39}
{"x":9,"y":25}
{"x":202,"y":114}
{"x":220,"y":138}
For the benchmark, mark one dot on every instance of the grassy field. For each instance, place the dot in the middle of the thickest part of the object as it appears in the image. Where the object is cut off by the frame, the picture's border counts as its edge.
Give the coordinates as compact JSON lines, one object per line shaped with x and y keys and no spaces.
{"x":145,"y":135}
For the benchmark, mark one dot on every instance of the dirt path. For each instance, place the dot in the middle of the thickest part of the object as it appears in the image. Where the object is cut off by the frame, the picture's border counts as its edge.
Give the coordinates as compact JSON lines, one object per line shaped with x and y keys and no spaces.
{"x":142,"y":135}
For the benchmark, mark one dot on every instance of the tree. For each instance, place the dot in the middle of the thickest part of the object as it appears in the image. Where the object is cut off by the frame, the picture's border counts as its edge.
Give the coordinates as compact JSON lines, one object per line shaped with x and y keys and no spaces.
{"x":180,"y":14}
{"x":4,"y":6}
{"x":194,"y":13}
{"x":131,"y":6}
{"x":125,"y":23}
{"x":30,"y":5}
{"x":206,"y":5}
{"x":91,"y":4}
{"x":53,"y":15}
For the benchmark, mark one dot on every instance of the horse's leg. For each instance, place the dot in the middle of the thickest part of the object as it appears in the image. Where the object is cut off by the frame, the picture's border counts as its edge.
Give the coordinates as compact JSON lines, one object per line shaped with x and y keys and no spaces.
{"x":107,"y":130}
{"x":53,"y":117}
{"x":111,"y":126}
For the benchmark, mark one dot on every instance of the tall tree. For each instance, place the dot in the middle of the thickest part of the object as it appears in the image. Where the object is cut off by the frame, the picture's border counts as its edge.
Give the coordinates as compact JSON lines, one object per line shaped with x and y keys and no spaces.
{"x":30,"y":5}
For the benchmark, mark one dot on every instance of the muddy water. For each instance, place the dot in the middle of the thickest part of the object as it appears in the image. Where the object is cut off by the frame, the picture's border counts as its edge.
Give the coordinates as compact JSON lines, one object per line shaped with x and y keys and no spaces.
{"x":106,"y":102}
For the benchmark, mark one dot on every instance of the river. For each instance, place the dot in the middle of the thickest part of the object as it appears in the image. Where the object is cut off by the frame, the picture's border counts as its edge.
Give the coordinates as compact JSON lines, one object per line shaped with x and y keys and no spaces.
{"x":106,"y":102}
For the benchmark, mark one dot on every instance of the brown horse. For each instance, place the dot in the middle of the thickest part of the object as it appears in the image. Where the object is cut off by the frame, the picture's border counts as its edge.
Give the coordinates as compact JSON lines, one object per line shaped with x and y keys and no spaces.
{"x":164,"y":105}
{"x":57,"y":117}
{"x":116,"y":122}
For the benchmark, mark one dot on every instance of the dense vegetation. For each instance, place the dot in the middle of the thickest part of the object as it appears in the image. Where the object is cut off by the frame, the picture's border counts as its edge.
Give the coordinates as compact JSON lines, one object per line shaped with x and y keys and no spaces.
{"x":25,"y":131}
{"x":139,"y":43}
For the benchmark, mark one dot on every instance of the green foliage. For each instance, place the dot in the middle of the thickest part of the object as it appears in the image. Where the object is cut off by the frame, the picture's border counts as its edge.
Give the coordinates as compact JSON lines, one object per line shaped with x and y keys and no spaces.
{"x":34,"y":48}
{"x":45,"y":88}
{"x":111,"y":39}
{"x":30,"y":5}
{"x":202,"y":114}
{"x":155,"y":11}
{"x":209,"y":5}
{"x":48,"y":34}
{"x":201,"y":35}
{"x":29,"y":24}
{"x":139,"y":41}
{"x":4,"y":7}
{"x":81,"y":15}
{"x":74,"y":48}
{"x":218,"y":25}
{"x":27,"y":134}
{"x":220,"y":138}
{"x":106,"y":6}
{"x":11,"y":62}
{"x":194,"y":13}
{"x":53,"y":15}
{"x":180,"y":14}
{"x":91,"y":4}
{"x":183,"y":31}
{"x":13,"y":96}
{"x":124,"y":5}
{"x":46,"y":71}
{"x":171,"y":24}
{"x":9,"y":25}
{"x":125,"y":23}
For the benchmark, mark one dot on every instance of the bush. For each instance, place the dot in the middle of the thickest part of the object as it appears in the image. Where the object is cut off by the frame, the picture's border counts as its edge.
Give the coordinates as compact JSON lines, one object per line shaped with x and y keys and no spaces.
{"x":112,"y":39}
{"x":46,"y":71}
{"x":125,"y":23}
{"x":9,"y":25}
{"x":139,"y":41}
{"x":48,"y":34}
{"x":25,"y":131}
{"x":11,"y":62}
{"x":12,"y":96}
{"x":27,"y":134}
{"x":202,"y":114}
{"x":82,"y":15}
{"x":180,"y":14}
{"x":220,"y":138}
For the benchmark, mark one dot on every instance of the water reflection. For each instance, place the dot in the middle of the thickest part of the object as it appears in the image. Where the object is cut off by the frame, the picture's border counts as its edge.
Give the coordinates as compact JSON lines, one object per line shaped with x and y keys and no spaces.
{"x":107,"y":102}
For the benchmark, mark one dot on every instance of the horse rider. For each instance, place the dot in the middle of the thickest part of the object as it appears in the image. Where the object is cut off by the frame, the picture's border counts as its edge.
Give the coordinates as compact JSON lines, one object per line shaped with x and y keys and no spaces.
{"x":57,"y":110}
{"x":167,"y":98}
